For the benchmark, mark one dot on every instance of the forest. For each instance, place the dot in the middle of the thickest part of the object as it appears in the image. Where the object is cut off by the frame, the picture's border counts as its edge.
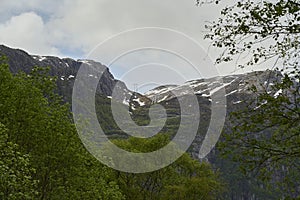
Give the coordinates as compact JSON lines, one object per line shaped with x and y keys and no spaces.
{"x":42,"y":156}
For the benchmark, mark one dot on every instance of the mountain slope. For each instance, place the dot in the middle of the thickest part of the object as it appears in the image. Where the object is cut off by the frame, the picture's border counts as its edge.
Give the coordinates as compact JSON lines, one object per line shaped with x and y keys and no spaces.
{"x":237,"y":90}
{"x":65,"y":69}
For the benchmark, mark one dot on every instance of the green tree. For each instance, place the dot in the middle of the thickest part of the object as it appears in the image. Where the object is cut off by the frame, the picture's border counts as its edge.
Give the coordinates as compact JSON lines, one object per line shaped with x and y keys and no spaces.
{"x":266,"y":136}
{"x":184,"y":179}
{"x":259,"y":31}
{"x":39,"y":122}
{"x":16,"y":181}
{"x":265,"y":140}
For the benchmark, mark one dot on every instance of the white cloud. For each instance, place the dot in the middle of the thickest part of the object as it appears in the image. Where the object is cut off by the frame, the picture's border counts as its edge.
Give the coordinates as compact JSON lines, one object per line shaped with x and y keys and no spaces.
{"x":11,"y":8}
{"x":84,"y":24}
{"x":73,"y":24}
{"x":27,"y":31}
{"x":58,"y":27}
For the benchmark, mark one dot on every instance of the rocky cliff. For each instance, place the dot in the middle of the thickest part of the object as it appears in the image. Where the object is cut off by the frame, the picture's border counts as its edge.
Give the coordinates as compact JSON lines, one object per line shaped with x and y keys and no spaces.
{"x":65,"y":69}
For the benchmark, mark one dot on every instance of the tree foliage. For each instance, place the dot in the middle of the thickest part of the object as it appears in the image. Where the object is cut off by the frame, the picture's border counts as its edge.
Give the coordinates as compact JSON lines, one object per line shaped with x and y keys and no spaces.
{"x":15,"y":171}
{"x":42,"y":156}
{"x":259,"y":31}
{"x":265,"y":136}
{"x":184,"y":179}
{"x":39,"y":123}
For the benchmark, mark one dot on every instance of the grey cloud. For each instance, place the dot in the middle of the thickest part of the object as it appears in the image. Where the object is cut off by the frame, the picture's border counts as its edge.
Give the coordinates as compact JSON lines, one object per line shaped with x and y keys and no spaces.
{"x":51,"y":27}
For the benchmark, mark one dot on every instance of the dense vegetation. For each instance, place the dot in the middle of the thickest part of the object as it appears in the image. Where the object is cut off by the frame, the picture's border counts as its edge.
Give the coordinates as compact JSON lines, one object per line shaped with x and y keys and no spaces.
{"x":266,"y":140}
{"x":42,"y":156}
{"x":265,"y":137}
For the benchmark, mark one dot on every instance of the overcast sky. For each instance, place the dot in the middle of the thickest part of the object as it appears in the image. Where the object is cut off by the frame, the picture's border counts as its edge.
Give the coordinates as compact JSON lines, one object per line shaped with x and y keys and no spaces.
{"x":75,"y":28}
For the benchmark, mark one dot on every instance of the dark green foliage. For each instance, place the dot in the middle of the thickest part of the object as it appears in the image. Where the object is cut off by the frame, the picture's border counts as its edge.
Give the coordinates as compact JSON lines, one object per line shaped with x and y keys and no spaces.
{"x":40,"y":124}
{"x":238,"y":184}
{"x":266,"y":136}
{"x":42,"y":156}
{"x":265,"y":139}
{"x":15,"y":171}
{"x":184,"y":179}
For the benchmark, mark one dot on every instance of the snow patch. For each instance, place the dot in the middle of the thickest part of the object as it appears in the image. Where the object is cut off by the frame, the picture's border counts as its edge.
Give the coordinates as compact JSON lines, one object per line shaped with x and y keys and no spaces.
{"x":218,"y":88}
{"x":205,"y":95}
{"x":39,"y":58}
{"x":164,"y":98}
{"x":232,"y":92}
{"x":85,"y":62}
{"x":139,"y":102}
{"x":125,"y":102}
{"x":197,"y":84}
{"x":278,"y":93}
{"x":257,"y":107}
{"x":236,"y":102}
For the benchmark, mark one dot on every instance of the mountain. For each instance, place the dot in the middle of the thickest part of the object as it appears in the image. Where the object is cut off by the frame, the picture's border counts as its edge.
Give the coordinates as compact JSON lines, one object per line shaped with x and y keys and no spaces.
{"x":237,"y":91}
{"x":233,"y":85}
{"x":65,"y":69}
{"x":237,"y":95}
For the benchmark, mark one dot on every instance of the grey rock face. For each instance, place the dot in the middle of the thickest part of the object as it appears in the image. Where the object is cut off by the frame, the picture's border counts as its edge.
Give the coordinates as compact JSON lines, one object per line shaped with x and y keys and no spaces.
{"x":65,"y":69}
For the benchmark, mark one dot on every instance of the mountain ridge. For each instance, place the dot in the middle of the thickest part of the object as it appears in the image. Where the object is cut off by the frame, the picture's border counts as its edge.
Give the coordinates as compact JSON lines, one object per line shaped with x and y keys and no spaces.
{"x":237,"y":93}
{"x":65,"y":69}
